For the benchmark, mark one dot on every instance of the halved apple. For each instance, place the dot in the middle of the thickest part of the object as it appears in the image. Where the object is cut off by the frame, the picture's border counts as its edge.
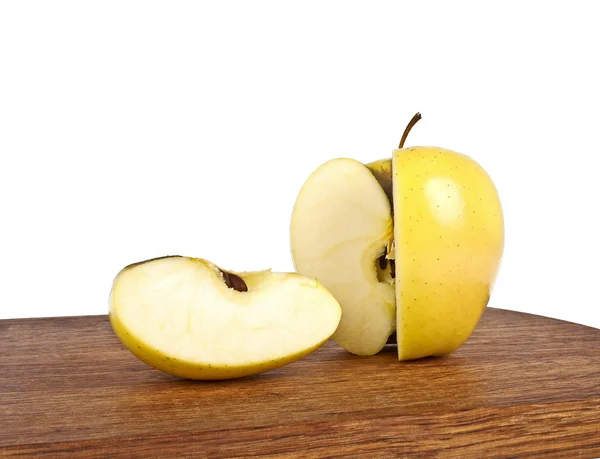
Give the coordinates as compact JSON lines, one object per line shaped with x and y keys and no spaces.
{"x":449,"y":239}
{"x":409,"y":245}
{"x":187,"y":317}
{"x":341,"y":224}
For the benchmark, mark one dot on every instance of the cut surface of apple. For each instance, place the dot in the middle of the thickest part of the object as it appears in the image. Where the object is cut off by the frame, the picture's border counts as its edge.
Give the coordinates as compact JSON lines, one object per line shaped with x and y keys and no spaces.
{"x":189,"y":318}
{"x":341,"y":224}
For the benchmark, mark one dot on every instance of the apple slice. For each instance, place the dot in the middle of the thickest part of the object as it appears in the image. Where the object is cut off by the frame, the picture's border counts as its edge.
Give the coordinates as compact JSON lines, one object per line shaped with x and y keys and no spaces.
{"x":341,"y":225}
{"x":189,"y":318}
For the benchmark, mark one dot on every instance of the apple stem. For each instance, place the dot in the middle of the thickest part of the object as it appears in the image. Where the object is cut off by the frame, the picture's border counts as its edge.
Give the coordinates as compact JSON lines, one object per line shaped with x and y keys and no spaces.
{"x":409,"y":126}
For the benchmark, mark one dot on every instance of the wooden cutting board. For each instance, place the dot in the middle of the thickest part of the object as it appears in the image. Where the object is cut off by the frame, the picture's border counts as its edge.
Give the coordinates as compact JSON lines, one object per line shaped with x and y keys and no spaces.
{"x":521,"y":386}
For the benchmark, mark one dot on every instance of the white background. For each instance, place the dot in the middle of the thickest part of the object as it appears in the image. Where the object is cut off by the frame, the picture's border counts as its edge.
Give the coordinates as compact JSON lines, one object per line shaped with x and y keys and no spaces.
{"x":135,"y":129}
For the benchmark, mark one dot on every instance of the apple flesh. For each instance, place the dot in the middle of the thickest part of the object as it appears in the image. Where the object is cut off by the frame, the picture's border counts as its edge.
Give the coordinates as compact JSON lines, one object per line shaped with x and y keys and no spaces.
{"x":341,"y":226}
{"x":189,"y":318}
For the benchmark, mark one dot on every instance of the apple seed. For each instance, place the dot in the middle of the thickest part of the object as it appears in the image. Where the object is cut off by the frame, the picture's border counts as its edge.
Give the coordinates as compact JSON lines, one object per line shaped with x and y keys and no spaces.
{"x":234,"y":282}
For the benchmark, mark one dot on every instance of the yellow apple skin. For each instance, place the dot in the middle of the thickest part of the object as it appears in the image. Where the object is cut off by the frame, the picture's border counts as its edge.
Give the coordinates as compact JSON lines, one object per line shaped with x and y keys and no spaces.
{"x":187,"y":370}
{"x":382,"y":170}
{"x":449,"y":235}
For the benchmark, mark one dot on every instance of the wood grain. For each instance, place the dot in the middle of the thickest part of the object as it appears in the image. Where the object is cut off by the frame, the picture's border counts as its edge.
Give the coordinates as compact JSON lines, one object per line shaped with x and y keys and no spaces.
{"x":522,"y":386}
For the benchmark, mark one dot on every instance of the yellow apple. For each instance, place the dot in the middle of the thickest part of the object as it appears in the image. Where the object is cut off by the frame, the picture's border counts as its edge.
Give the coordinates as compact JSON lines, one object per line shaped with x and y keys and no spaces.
{"x":409,"y":246}
{"x":187,"y":317}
